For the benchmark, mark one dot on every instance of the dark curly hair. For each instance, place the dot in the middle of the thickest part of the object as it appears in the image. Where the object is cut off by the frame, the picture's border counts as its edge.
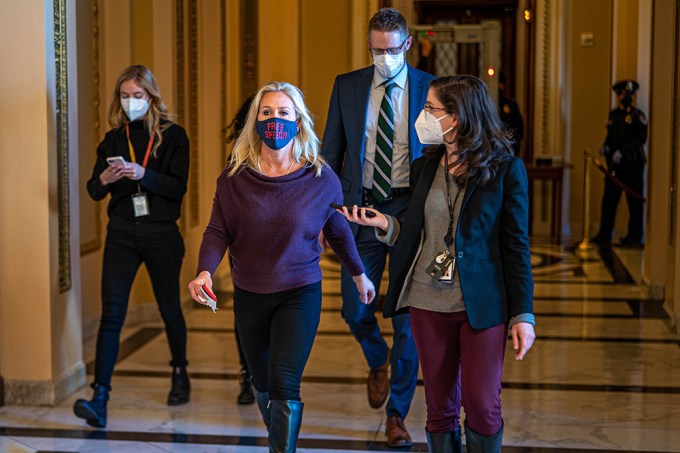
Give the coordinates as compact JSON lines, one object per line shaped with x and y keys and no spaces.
{"x":482,"y":141}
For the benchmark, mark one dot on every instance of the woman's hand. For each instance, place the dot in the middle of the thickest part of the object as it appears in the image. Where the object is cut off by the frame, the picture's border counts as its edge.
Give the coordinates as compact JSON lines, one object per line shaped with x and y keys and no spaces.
{"x":111,"y":174}
{"x":134,"y":171}
{"x":522,"y":338}
{"x":358,"y":215}
{"x":365,"y":288}
{"x":195,"y":287}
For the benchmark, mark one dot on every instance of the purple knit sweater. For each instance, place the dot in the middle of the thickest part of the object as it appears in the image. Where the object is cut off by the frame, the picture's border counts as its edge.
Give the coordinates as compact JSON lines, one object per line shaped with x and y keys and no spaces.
{"x":271,"y":228}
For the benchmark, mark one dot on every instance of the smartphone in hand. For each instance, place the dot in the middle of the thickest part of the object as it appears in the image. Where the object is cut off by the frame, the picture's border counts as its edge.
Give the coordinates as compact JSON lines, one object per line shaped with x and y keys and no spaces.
{"x":116,"y":161}
{"x":369,"y":214}
{"x":209,"y":297}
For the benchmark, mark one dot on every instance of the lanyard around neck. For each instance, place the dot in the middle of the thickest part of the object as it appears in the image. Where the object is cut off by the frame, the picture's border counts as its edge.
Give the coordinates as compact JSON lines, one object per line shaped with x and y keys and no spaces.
{"x":132,"y":149}
{"x":448,"y":239}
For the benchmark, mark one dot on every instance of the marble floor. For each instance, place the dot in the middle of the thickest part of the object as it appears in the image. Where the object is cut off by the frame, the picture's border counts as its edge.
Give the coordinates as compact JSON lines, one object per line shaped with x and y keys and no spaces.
{"x":604,"y":375}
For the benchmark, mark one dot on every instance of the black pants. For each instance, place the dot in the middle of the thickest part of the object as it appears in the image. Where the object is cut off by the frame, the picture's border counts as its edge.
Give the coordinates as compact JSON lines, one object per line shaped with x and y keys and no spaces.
{"x":124,"y":252}
{"x":633,"y":178}
{"x":276,"y":332}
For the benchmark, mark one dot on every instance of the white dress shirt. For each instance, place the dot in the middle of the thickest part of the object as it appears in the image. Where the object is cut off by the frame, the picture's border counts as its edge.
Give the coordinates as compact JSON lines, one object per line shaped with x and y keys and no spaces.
{"x":400,"y":152}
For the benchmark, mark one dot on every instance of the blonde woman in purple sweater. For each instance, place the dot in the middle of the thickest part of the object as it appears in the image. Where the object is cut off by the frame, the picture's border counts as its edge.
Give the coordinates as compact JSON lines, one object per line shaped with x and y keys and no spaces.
{"x":272,"y":201}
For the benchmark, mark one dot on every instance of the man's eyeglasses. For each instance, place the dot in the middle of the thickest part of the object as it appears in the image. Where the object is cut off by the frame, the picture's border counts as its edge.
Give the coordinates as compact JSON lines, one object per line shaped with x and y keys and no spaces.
{"x":391,"y":50}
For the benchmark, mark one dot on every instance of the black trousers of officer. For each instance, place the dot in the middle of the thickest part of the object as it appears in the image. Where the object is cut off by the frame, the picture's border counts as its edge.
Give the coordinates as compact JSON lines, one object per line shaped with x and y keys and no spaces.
{"x":634,"y":179}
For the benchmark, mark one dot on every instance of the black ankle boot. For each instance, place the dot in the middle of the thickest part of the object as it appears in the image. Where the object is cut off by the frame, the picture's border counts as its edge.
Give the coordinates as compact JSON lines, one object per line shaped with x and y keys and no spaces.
{"x":246,"y":395}
{"x":179,"y":394}
{"x":94,"y":410}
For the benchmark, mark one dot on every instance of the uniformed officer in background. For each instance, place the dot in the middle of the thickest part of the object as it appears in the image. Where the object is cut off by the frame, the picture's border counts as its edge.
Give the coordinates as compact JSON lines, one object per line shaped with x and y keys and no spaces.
{"x":625,"y":155}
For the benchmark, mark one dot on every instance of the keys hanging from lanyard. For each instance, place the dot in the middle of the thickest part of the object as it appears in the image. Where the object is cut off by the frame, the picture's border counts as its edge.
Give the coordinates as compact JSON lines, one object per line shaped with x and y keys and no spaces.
{"x":443,"y":265}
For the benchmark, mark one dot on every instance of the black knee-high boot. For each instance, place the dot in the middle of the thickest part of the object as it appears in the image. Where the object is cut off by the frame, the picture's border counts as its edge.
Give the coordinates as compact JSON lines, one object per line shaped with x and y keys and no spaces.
{"x":476,"y":443}
{"x":262,"y":400}
{"x":444,"y":442}
{"x":181,"y":388}
{"x":94,"y":410}
{"x":285,"y":421}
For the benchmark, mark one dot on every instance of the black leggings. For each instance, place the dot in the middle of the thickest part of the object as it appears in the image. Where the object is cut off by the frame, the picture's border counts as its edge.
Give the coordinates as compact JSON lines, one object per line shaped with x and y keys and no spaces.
{"x":276,"y":332}
{"x":123,"y":254}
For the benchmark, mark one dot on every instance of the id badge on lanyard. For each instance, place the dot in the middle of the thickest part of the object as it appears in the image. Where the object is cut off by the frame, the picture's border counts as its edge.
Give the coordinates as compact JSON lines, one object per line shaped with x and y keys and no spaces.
{"x":443,"y":265}
{"x":140,"y":200}
{"x":140,"y":203}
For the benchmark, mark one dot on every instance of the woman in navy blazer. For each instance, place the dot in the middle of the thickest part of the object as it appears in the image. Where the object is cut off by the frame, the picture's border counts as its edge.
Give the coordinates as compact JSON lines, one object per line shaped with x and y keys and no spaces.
{"x":462,"y":266}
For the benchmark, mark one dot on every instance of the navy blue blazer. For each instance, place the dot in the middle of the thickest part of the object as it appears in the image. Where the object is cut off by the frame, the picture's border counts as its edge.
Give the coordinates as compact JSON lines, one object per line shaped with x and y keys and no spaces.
{"x":343,"y":144}
{"x":492,"y":244}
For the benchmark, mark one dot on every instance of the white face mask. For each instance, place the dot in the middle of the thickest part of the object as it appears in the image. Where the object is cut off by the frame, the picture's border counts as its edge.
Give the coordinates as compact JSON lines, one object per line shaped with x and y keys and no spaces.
{"x":429,"y":129}
{"x":134,"y":108}
{"x":389,"y":65}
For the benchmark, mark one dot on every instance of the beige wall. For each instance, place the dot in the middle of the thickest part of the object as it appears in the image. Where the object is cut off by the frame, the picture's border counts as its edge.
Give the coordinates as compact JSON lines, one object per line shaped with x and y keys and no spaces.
{"x":40,"y":343}
{"x":661,"y":257}
{"x":588,"y":73}
{"x":278,"y":44}
{"x":625,"y":39}
{"x":325,"y":53}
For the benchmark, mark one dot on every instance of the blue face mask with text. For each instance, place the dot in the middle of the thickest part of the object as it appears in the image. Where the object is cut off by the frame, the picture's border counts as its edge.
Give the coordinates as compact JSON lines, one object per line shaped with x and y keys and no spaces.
{"x":276,"y":133}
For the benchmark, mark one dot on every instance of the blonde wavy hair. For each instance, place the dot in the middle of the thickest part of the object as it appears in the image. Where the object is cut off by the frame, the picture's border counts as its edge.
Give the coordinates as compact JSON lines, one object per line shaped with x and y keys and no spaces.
{"x":156,"y":118}
{"x":247,"y":152}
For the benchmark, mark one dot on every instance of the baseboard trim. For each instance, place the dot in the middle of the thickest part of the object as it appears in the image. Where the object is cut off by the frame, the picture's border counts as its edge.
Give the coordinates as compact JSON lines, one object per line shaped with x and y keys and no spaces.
{"x":27,"y":392}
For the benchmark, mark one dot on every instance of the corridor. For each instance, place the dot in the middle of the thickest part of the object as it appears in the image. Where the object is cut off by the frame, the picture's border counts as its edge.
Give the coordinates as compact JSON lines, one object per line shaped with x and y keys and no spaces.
{"x":604,"y":375}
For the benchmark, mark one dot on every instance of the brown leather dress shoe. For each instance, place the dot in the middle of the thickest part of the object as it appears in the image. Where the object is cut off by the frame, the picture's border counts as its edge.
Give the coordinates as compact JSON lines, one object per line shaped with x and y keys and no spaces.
{"x":397,"y":436}
{"x":378,"y":384}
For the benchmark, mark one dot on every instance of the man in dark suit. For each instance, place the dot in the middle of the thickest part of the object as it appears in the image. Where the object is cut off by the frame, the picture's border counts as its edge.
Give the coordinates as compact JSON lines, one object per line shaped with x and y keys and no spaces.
{"x":370,"y":142}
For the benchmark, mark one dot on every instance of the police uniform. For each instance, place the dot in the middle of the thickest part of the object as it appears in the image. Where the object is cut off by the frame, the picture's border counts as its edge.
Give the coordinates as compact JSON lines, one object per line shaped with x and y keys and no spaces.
{"x":625,"y":155}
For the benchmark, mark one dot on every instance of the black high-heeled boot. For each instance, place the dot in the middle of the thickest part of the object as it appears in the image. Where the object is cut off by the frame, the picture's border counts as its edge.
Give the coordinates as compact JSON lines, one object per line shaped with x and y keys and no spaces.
{"x":94,"y":410}
{"x":179,"y":393}
{"x":246,"y":395}
{"x":284,"y":429}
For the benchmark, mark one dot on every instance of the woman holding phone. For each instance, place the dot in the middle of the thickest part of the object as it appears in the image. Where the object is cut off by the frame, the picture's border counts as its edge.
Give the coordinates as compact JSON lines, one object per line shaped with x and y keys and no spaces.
{"x":462,"y":266}
{"x":143,"y":163}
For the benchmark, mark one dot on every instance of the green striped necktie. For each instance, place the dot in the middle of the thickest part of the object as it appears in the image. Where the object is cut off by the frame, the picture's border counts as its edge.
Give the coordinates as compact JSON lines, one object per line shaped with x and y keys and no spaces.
{"x":382,"y":168}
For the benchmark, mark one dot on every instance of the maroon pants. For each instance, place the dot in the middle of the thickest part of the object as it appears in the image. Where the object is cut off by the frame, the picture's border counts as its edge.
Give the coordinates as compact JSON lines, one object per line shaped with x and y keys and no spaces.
{"x":460,"y":365}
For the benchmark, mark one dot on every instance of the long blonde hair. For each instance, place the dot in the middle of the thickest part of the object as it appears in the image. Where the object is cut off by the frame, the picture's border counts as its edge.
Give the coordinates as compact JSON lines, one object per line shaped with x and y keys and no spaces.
{"x":247,"y":152}
{"x":157,"y":110}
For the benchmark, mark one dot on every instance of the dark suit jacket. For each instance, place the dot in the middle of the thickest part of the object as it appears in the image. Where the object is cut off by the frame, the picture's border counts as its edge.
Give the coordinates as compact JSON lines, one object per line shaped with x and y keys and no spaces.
{"x":343,"y":144}
{"x":491,"y":249}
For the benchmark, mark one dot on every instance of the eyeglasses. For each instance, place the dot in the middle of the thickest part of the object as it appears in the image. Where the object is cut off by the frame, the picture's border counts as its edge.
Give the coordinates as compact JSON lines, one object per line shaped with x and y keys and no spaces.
{"x":391,"y":50}
{"x":429,"y":108}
